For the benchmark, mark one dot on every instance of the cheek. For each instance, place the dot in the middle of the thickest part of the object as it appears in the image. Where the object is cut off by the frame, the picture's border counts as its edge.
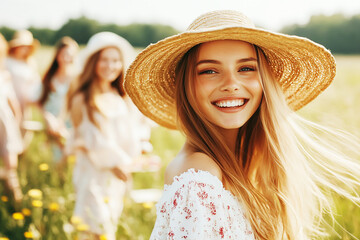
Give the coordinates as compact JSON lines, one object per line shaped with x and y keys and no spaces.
{"x":98,"y":68}
{"x":257,"y":91}
{"x":255,"y":88}
{"x":200,"y":92}
{"x":204,"y":87}
{"x":61,"y":58}
{"x":119,"y":67}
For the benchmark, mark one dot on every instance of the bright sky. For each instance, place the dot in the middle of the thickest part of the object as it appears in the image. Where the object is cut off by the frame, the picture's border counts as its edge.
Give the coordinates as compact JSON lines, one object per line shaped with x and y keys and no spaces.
{"x":270,"y":14}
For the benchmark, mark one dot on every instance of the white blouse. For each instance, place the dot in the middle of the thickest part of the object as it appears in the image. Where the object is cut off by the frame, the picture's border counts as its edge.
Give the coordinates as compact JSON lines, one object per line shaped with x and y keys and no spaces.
{"x":197,"y":206}
{"x":26,"y":80}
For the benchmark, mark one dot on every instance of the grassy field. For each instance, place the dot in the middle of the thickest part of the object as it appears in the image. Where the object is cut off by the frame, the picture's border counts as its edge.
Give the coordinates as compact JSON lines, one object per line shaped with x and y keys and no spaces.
{"x":46,"y":210}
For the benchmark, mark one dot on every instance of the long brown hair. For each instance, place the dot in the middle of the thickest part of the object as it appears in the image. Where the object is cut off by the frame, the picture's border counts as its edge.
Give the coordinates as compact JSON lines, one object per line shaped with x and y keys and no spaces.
{"x":87,"y":85}
{"x":204,"y":137}
{"x":281,"y":171}
{"x":54,"y":66}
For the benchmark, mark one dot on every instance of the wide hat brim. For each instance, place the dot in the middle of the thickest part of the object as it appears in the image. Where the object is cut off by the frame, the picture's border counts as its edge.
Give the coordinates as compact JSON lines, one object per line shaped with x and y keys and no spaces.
{"x":35,"y":44}
{"x":303,"y":68}
{"x":103,"y":40}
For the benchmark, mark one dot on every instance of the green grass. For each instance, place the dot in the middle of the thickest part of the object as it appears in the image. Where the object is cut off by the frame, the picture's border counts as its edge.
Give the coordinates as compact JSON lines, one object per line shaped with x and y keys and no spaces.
{"x":52,"y":220}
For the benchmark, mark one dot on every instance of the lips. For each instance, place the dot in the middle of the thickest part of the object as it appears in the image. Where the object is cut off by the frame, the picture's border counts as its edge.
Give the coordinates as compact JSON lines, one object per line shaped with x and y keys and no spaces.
{"x":230,"y":103}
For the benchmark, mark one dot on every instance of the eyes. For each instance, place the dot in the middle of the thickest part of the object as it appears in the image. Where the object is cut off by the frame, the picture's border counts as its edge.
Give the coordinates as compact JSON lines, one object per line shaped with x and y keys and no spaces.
{"x":242,"y":69}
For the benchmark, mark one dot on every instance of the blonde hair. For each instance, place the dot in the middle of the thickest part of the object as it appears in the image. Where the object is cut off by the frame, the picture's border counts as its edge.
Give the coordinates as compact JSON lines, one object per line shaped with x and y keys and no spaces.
{"x":88,"y":85}
{"x":283,"y":169}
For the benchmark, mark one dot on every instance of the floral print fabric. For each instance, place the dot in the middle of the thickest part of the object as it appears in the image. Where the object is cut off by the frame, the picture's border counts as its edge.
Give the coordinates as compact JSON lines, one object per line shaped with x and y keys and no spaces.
{"x":197,"y":206}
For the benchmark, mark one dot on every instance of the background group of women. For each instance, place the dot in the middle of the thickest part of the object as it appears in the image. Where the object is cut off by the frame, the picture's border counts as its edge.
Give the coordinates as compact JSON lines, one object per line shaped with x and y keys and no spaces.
{"x":86,"y":113}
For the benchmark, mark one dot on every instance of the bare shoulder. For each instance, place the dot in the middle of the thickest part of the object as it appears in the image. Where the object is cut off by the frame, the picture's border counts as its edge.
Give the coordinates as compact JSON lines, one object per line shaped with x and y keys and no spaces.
{"x":196,"y":160}
{"x":76,"y":109}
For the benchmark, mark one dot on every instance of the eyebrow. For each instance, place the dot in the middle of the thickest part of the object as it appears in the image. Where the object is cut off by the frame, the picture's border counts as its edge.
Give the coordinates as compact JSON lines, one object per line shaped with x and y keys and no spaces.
{"x":250,"y":59}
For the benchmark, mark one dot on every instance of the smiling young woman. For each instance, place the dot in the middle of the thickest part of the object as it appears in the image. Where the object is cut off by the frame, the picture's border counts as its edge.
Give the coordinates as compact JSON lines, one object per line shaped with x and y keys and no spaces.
{"x":251,"y":168}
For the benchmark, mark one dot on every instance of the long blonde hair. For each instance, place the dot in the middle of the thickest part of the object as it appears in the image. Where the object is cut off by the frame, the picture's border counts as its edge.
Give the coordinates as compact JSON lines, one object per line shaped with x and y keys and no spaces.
{"x":282,"y":170}
{"x":88,"y":85}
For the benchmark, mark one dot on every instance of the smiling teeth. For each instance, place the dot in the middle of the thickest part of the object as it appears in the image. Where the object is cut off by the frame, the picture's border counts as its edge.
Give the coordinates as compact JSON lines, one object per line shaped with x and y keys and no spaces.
{"x":230,"y":103}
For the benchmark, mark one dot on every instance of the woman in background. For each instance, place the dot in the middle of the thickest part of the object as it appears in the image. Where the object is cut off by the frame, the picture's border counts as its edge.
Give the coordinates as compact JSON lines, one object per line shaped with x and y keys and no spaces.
{"x":24,"y":74}
{"x":55,"y":85}
{"x":105,"y":141}
{"x":10,"y":137}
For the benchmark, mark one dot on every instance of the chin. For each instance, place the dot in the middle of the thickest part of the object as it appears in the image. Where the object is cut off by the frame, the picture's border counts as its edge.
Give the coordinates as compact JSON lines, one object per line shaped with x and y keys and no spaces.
{"x":230,"y":126}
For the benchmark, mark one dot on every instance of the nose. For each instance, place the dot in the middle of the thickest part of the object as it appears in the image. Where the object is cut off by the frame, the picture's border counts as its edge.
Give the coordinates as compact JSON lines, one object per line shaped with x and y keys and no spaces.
{"x":109,"y":65}
{"x":229,"y":84}
{"x":114,"y":64}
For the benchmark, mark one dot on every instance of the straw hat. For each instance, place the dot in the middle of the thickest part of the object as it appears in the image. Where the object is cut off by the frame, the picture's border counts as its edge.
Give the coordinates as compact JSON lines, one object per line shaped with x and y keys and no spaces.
{"x":23,"y":38}
{"x":302,"y":67}
{"x":103,"y":40}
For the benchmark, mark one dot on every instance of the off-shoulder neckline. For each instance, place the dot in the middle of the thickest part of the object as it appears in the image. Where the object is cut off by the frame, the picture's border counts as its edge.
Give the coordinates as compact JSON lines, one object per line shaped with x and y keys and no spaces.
{"x":197,"y":174}
{"x":192,"y":171}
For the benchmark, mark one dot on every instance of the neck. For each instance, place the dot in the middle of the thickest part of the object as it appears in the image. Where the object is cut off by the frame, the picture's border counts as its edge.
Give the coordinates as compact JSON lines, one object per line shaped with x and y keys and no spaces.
{"x":63,"y":71}
{"x":230,"y":136}
{"x":19,"y":57}
{"x":105,"y":86}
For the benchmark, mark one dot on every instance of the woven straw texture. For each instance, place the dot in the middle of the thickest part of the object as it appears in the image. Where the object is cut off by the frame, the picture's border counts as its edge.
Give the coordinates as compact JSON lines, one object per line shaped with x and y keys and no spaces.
{"x":303,"y":68}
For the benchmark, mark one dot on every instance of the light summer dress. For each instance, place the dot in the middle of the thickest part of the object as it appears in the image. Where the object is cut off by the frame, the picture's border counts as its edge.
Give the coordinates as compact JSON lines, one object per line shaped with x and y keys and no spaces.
{"x":99,"y":193}
{"x":10,"y":136}
{"x":196,"y":206}
{"x":56,"y":99}
{"x":55,"y":104}
{"x":26,"y":80}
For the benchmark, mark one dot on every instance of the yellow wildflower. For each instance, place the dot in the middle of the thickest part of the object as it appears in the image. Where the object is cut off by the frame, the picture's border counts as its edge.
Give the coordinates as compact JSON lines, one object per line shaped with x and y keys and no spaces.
{"x":54,"y":206}
{"x":26,"y":212}
{"x":18,"y":216}
{"x":28,"y":234}
{"x":71,"y":159}
{"x":148,"y":205}
{"x":82,"y":227}
{"x":4,"y":238}
{"x":35,"y":193}
{"x":43,"y":167}
{"x":75,"y":220}
{"x":103,"y":237}
{"x":37,"y":203}
{"x":4,"y":199}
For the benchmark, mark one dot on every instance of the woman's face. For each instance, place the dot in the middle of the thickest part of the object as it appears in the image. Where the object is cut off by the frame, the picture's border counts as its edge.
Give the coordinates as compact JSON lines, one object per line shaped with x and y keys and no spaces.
{"x":66,"y":55}
{"x":22,"y":52}
{"x":109,"y":64}
{"x":227,"y":85}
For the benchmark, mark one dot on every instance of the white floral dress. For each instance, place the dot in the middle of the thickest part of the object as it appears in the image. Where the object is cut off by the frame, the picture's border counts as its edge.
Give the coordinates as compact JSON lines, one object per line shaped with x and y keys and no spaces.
{"x":197,"y":206}
{"x":99,"y":193}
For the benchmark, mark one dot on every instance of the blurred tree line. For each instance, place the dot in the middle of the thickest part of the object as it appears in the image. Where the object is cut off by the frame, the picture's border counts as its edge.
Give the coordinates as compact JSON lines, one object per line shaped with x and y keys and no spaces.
{"x":338,"y":33}
{"x":81,"y":29}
